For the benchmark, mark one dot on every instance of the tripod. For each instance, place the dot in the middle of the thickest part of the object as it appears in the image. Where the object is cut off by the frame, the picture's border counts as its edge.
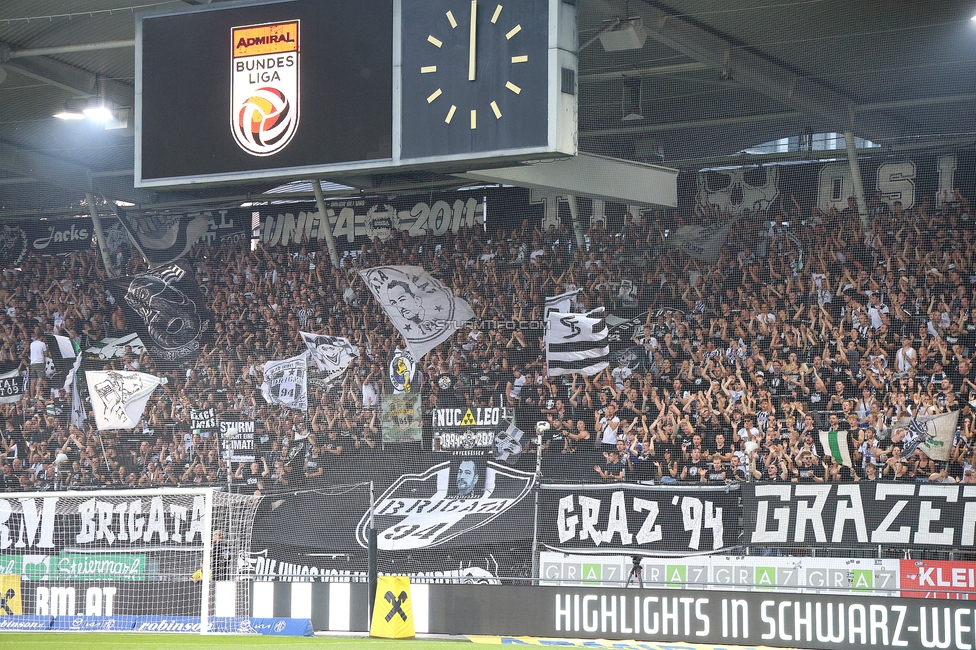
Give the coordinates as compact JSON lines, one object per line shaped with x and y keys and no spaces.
{"x":636,"y":573}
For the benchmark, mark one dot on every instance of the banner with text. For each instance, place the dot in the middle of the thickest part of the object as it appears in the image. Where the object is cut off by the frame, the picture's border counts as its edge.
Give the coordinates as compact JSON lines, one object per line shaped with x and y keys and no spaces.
{"x":639,"y":519}
{"x":917,"y":515}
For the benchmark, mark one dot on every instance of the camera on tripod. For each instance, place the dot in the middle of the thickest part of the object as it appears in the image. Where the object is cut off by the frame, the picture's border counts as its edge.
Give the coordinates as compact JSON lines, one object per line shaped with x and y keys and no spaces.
{"x":636,"y":571}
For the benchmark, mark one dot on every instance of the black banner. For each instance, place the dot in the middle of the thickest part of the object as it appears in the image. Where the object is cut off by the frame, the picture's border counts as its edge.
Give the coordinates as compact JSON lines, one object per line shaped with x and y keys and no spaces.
{"x":738,"y":618}
{"x":58,"y":237}
{"x":165,"y":308}
{"x":639,"y":519}
{"x":918,"y":515}
{"x":461,"y":502}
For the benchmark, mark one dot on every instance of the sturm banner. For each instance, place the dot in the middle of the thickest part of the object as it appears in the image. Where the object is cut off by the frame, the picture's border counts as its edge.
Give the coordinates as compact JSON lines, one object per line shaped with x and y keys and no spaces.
{"x":48,"y":524}
{"x":899,"y":515}
{"x":639,"y":519}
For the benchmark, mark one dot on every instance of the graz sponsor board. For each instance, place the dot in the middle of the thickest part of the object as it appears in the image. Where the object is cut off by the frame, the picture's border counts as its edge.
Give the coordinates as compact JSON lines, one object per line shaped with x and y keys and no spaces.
{"x":861,"y":514}
{"x":722,"y":617}
{"x":717,"y":572}
{"x":638,"y":519}
{"x":30,"y":523}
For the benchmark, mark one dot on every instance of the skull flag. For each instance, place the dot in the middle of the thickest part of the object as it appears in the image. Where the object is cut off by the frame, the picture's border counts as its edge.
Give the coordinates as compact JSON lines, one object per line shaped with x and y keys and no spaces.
{"x":165,"y":308}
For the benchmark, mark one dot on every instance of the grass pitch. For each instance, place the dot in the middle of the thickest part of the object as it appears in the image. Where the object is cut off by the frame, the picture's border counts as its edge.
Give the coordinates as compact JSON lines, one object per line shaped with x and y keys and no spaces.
{"x":172,"y":641}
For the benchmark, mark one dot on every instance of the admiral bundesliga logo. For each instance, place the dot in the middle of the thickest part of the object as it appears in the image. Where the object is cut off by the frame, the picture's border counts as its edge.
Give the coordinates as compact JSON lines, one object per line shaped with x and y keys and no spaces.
{"x":264,"y":86}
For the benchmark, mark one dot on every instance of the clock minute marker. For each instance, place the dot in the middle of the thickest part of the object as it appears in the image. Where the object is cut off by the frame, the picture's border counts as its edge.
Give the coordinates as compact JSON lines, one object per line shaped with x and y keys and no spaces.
{"x":513,"y":31}
{"x":494,"y":16}
{"x":494,"y":109}
{"x":515,"y":89}
{"x":450,"y":19}
{"x":428,"y":68}
{"x":434,"y":95}
{"x":450,"y":114}
{"x":434,"y":41}
{"x":520,"y":59}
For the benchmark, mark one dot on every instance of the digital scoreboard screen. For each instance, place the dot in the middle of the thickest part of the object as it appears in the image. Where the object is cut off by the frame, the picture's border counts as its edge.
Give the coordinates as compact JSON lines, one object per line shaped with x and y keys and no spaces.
{"x":263,"y":90}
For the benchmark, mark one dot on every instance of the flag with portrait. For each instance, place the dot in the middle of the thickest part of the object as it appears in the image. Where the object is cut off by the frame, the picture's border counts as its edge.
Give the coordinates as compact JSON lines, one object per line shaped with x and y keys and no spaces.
{"x":330,"y":355}
{"x":423,"y":311}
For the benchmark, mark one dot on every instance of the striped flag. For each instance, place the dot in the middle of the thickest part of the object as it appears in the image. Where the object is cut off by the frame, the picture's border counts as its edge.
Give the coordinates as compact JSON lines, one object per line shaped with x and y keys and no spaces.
{"x":837,"y":445}
{"x":577,"y":343}
{"x":562,"y":303}
{"x":66,"y":358}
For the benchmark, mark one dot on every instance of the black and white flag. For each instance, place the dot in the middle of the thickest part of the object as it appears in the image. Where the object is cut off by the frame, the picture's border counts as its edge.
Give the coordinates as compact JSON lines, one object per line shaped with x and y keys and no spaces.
{"x":701,"y":242}
{"x":286,"y":382}
{"x":164,"y":238}
{"x":165,"y":308}
{"x":562,"y":303}
{"x":424,"y":311}
{"x":11,"y":383}
{"x":933,"y":434}
{"x":330,"y":354}
{"x":507,"y":445}
{"x":576,"y":343}
{"x":119,"y":397}
{"x":65,"y":360}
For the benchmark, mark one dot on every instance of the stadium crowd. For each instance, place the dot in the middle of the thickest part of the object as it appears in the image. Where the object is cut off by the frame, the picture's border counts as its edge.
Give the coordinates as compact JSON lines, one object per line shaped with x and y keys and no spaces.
{"x":736,"y":368}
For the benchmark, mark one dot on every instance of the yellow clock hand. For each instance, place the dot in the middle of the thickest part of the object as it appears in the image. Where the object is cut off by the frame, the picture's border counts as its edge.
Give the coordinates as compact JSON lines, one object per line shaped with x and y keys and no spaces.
{"x":472,"y":41}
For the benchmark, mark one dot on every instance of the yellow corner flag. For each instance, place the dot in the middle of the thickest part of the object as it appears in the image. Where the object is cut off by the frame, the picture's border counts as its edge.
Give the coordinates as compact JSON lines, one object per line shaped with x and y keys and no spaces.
{"x":393,"y":610}
{"x":10,"y":604}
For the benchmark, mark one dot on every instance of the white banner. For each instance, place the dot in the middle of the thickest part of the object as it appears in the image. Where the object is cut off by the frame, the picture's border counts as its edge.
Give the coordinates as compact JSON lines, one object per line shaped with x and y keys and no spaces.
{"x":424,"y":311}
{"x":286,"y":382}
{"x":330,"y":354}
{"x":932,"y":434}
{"x":119,"y":397}
{"x":561,"y":303}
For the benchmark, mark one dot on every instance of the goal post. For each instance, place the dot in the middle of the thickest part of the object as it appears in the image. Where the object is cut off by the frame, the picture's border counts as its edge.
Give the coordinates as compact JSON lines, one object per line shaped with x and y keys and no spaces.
{"x":170,"y":557}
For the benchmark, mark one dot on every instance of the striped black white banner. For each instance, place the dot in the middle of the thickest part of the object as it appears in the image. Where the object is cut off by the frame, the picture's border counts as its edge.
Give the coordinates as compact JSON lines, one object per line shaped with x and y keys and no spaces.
{"x":576,"y":343}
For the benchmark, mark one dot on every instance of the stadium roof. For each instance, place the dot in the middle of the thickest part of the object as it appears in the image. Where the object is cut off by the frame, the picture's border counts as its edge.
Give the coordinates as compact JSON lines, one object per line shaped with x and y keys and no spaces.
{"x":713,"y":79}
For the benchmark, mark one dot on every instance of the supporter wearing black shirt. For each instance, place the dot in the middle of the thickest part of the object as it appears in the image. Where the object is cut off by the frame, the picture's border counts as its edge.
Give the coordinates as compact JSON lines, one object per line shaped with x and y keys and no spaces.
{"x":694,"y":469}
{"x":716,"y":472}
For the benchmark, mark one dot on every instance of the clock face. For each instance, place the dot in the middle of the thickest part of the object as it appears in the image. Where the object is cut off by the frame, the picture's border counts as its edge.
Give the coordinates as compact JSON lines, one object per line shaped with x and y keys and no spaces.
{"x":474,"y":76}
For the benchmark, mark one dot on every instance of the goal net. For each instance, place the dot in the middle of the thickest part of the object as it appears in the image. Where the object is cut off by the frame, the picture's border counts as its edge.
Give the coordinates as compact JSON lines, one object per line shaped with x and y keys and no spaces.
{"x":170,"y":558}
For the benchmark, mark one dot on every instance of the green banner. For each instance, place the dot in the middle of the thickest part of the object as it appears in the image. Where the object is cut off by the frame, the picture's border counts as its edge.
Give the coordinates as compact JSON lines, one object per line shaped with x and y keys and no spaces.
{"x":76,"y":566}
{"x":92,"y":566}
{"x":10,"y":564}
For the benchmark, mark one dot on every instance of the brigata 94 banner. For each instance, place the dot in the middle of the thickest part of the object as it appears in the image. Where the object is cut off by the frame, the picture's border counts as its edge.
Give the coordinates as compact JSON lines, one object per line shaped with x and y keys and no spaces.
{"x":918,"y":515}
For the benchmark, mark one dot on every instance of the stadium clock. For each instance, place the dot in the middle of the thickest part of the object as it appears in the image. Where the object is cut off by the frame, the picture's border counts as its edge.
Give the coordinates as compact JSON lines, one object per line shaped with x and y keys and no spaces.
{"x":475,"y":75}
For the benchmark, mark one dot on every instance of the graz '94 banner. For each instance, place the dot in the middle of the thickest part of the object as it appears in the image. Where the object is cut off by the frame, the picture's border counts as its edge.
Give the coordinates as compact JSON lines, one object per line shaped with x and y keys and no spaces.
{"x":919,"y":515}
{"x":639,"y":519}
